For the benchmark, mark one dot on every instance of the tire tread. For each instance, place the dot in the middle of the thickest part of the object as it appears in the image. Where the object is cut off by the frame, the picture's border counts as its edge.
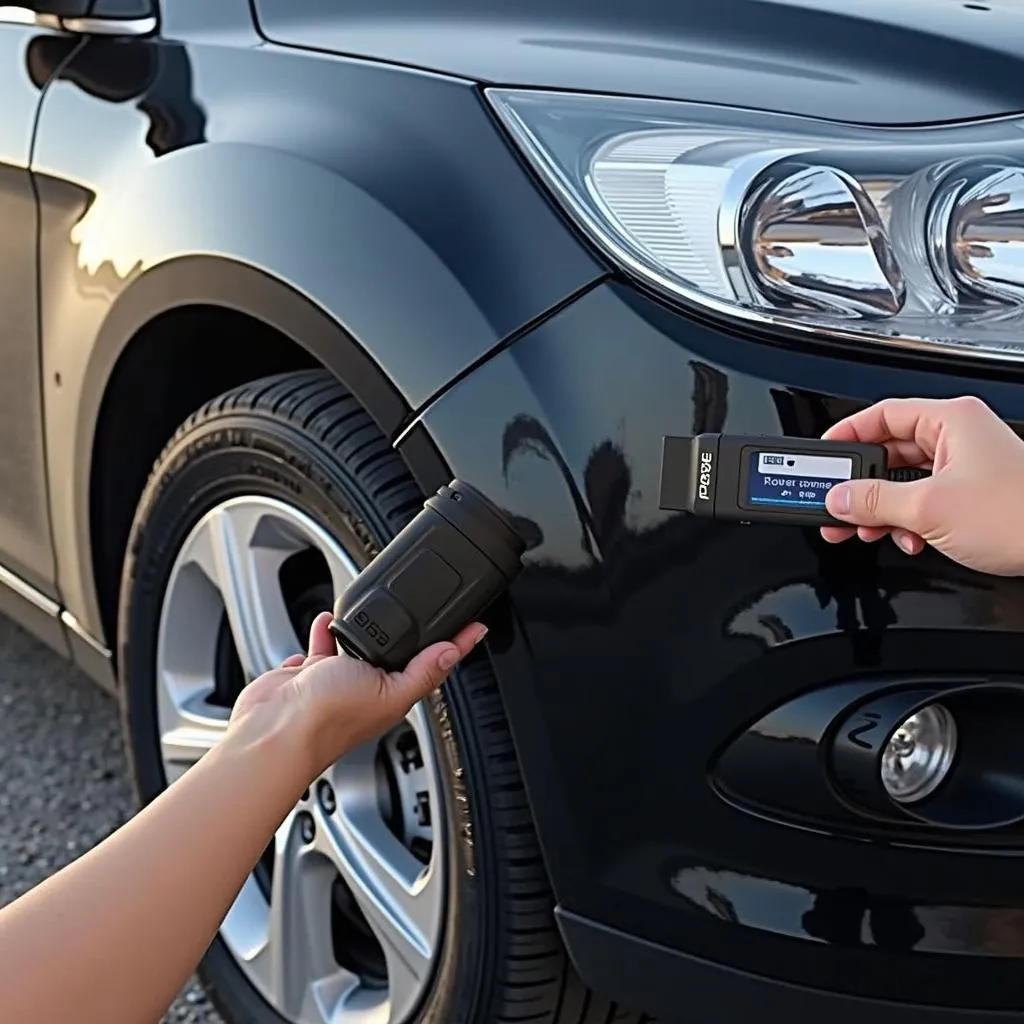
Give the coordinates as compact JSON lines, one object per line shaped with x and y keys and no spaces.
{"x":531,"y":962}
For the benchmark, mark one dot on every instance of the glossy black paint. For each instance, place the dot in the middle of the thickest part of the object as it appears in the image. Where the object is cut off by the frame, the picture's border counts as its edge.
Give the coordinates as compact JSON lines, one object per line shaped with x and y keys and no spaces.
{"x":204,"y":144}
{"x":367,"y":207}
{"x":645,"y":641}
{"x":122,"y":8}
{"x":648,"y":974}
{"x":823,"y":58}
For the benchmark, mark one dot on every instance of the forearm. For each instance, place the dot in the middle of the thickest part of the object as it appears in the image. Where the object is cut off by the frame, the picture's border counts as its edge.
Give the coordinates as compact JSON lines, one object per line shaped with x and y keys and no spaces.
{"x":114,"y":936}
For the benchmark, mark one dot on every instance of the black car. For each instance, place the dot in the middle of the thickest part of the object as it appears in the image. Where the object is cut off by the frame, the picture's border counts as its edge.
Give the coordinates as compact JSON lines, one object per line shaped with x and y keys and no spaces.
{"x":272,"y":271}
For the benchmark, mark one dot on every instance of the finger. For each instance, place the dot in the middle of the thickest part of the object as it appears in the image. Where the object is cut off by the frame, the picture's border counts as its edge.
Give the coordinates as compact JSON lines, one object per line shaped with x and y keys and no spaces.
{"x":900,"y":419}
{"x":870,"y":534}
{"x":428,"y":670}
{"x":293,"y":661}
{"x":876,"y":502}
{"x":909,"y":543}
{"x":907,"y":453}
{"x":321,"y":640}
{"x":901,"y":452}
{"x":837,"y":534}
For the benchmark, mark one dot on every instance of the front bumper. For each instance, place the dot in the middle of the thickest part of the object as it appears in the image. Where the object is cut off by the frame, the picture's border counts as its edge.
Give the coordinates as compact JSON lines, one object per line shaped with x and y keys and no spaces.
{"x":643,"y":641}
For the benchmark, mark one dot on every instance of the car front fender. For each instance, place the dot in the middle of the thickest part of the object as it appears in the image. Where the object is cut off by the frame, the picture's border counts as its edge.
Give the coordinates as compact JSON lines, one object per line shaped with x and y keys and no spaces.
{"x":377,"y":217}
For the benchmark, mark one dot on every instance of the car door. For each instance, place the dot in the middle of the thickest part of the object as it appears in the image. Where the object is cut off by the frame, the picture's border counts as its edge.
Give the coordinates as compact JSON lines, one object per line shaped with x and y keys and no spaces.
{"x":27,"y":572}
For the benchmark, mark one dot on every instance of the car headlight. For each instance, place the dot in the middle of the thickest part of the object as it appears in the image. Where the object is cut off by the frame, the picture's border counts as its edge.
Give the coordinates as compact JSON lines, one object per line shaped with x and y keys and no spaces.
{"x":908,"y":236}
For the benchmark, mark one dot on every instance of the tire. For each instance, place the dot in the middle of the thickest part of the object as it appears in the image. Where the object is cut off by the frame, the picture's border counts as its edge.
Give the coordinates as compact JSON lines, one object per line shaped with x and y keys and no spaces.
{"x":302,"y":439}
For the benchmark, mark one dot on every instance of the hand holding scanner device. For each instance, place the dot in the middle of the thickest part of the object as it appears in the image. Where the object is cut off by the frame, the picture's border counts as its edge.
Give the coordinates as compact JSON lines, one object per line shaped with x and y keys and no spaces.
{"x":438,"y":575}
{"x":754,"y":479}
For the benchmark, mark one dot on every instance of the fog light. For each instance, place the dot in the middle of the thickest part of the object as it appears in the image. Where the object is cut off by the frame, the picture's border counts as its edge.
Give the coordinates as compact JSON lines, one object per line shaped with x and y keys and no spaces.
{"x":919,"y":754}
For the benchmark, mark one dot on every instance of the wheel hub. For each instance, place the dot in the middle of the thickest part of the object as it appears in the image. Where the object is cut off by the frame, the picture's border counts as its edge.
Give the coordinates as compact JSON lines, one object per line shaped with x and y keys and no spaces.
{"x":343,"y":915}
{"x":408,"y":808}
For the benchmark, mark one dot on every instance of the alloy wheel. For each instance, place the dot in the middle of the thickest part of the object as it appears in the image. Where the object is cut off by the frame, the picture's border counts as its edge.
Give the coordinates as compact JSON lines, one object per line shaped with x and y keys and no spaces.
{"x":341,"y":922}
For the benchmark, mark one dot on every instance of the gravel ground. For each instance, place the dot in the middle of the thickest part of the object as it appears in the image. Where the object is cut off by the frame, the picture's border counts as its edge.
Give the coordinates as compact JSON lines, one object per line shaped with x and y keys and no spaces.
{"x":62,"y":777}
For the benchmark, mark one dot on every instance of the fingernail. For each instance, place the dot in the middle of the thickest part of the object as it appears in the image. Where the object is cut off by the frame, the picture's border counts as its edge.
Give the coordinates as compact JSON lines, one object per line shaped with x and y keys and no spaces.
{"x":480,"y":635}
{"x":905,"y":544}
{"x":838,"y":500}
{"x":447,"y":660}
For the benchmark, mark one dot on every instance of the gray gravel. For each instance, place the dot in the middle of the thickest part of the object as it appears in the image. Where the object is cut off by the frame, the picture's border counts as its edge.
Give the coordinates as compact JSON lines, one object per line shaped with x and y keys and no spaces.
{"x":62,"y":776}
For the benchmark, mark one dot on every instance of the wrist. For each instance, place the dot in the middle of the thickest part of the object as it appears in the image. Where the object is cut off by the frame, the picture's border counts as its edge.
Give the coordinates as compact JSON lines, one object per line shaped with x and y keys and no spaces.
{"x":271,"y":746}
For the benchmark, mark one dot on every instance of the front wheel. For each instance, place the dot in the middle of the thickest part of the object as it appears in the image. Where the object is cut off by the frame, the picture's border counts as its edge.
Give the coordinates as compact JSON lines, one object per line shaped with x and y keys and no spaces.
{"x":406,"y":884}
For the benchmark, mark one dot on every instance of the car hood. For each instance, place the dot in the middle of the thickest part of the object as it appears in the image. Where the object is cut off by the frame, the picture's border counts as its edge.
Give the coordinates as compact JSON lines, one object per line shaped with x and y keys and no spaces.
{"x":871,"y":61}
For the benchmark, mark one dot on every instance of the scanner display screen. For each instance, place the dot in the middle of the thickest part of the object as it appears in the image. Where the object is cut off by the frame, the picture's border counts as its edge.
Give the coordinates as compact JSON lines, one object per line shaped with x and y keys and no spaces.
{"x":794,"y":480}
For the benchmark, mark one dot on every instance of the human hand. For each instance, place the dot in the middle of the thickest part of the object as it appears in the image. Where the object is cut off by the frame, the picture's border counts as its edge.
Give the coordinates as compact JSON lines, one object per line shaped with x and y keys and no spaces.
{"x":332,"y":703}
{"x":968,"y":508}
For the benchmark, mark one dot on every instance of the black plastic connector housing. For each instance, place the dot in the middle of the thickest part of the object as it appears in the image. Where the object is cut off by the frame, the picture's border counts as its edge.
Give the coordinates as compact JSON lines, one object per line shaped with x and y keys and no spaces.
{"x":438,"y":575}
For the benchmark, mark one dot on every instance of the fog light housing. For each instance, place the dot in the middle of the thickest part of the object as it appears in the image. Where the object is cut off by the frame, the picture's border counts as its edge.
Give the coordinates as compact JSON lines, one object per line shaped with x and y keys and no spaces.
{"x":919,"y":754}
{"x":947,"y":757}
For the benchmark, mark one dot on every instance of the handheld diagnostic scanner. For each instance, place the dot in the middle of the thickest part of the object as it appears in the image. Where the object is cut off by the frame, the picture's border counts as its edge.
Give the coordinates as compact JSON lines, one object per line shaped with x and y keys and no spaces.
{"x":761,"y":479}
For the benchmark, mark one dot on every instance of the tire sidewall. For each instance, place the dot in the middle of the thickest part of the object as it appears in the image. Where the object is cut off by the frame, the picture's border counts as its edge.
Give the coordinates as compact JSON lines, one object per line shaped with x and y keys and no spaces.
{"x":229,"y":456}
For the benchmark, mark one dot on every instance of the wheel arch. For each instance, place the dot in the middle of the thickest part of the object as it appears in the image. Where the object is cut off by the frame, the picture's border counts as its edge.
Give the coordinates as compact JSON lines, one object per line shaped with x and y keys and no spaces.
{"x":289,"y":220}
{"x":151,"y":336}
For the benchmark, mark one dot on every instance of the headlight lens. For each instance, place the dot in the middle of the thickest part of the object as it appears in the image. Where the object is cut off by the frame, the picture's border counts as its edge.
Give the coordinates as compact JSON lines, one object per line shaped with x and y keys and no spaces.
{"x":905,"y":236}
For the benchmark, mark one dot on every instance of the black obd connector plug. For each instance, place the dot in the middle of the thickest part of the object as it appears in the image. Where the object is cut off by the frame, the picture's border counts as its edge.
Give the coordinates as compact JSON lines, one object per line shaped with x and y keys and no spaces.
{"x":438,"y":575}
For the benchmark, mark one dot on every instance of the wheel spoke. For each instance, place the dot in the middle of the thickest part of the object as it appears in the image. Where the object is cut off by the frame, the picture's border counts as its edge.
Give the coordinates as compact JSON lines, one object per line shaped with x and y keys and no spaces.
{"x":342,"y":569}
{"x":399,"y":896}
{"x":305,"y":982}
{"x":188,"y":732}
{"x":241,"y":550}
{"x":283,"y":925}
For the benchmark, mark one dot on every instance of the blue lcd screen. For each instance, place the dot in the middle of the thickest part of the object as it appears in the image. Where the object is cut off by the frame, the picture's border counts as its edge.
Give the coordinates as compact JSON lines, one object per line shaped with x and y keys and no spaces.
{"x":794,"y":480}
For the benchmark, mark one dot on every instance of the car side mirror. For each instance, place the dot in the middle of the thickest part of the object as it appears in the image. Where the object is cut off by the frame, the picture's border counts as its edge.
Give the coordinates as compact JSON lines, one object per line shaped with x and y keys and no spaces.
{"x":57,"y":8}
{"x":95,"y":9}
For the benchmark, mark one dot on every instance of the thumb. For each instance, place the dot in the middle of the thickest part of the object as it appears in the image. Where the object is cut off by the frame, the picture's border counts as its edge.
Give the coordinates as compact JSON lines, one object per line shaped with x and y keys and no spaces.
{"x":875,"y":503}
{"x":321,"y":640}
{"x":427,"y":671}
